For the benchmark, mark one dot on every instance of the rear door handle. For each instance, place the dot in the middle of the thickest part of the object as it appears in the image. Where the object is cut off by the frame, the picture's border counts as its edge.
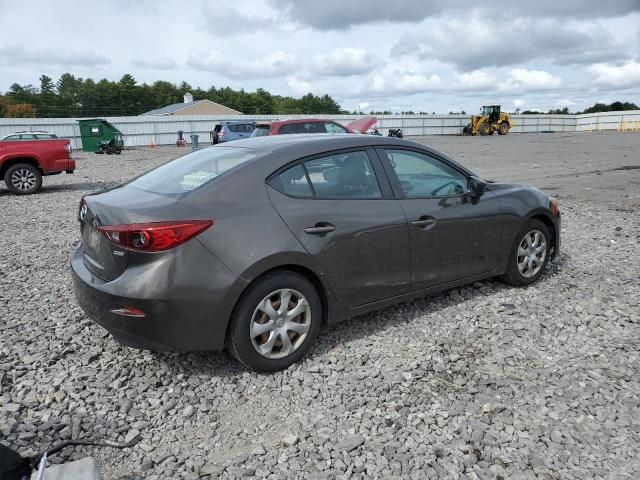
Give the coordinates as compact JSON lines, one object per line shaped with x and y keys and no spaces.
{"x":320,"y":229}
{"x":424,"y":222}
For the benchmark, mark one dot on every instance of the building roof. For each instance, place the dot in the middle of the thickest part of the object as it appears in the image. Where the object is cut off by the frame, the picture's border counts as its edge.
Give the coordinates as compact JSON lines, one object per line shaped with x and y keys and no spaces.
{"x":171,"y":109}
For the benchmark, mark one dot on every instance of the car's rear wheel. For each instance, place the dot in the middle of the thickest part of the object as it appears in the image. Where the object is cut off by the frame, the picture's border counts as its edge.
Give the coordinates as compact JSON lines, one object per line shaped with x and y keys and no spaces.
{"x":23,"y":179}
{"x":275,"y":322}
{"x":529,"y":255}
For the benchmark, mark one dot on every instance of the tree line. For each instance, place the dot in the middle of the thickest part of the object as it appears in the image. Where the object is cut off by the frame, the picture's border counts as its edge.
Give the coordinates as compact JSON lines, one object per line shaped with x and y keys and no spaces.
{"x":71,"y":96}
{"x":596,"y":108}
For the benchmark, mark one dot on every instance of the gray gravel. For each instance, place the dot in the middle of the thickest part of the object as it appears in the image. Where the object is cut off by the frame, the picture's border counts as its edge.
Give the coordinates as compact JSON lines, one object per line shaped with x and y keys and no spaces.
{"x":481,"y":382}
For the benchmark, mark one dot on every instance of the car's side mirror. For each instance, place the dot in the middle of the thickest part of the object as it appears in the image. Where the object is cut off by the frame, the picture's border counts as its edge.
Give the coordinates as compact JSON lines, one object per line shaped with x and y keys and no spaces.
{"x":477,"y":187}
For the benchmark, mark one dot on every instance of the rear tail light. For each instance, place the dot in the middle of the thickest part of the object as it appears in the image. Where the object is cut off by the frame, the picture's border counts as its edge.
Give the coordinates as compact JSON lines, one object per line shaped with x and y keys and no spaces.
{"x":553,"y":206}
{"x":156,"y":236}
{"x":82,"y":210}
{"x":220,"y":134}
{"x":67,"y":147}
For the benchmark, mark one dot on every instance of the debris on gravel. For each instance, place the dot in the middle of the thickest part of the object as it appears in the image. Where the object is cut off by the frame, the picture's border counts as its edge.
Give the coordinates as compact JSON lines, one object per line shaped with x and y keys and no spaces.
{"x":480,"y":382}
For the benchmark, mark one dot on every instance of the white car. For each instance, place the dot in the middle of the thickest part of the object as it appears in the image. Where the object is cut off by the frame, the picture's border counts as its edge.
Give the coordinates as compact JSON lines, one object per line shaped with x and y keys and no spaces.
{"x":28,"y":136}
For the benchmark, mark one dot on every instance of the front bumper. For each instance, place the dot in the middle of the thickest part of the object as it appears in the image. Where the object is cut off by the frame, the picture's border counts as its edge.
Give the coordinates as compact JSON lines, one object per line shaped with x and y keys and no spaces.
{"x":557,"y":223}
{"x":169,"y":324}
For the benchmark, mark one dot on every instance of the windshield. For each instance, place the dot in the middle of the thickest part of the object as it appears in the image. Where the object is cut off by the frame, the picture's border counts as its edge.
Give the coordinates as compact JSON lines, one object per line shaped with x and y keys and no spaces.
{"x":192,"y":171}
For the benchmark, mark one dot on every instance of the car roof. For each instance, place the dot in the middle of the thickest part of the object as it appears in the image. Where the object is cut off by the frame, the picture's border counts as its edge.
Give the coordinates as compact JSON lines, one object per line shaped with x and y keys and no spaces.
{"x":277,"y":150}
{"x":39,"y":132}
{"x":295,"y":120}
{"x":316,"y":141}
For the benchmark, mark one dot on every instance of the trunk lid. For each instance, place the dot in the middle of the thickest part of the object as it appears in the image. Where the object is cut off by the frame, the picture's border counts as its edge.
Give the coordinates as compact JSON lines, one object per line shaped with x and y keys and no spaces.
{"x":125,"y":205}
{"x":361,"y":125}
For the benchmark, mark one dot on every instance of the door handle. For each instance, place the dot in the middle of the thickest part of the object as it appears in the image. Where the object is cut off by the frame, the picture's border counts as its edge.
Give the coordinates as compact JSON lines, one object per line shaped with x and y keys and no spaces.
{"x":320,"y":229}
{"x":424,"y":221}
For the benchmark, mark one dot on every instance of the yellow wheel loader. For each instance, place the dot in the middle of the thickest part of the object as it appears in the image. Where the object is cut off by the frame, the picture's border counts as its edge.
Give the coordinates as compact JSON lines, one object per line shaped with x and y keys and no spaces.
{"x":491,"y":120}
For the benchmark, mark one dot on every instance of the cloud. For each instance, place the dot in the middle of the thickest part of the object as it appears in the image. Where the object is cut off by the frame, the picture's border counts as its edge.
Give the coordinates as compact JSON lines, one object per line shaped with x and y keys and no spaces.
{"x":341,"y":15}
{"x":521,"y":40}
{"x":617,"y":76}
{"x":403,"y":83}
{"x":219,"y":19}
{"x":298,"y":86}
{"x":19,"y":55}
{"x":156,"y":64}
{"x":475,"y":80}
{"x":343,"y":61}
{"x":531,"y":80}
{"x":275,"y":64}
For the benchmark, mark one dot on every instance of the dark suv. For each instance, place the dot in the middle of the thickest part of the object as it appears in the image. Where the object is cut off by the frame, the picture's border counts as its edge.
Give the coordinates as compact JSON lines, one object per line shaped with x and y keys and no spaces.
{"x":228,"y":131}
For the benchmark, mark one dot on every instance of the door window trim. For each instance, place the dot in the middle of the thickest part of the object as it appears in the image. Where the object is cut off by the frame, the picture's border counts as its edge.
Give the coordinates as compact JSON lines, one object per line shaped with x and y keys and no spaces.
{"x":393,"y":177}
{"x":381,"y":176}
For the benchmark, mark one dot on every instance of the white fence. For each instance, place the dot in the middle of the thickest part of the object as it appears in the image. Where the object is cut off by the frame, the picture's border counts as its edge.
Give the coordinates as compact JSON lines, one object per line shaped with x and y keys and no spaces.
{"x":144,"y":130}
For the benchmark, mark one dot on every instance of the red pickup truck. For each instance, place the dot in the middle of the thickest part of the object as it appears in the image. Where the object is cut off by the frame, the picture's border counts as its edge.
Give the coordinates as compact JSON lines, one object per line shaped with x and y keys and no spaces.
{"x":24,"y":163}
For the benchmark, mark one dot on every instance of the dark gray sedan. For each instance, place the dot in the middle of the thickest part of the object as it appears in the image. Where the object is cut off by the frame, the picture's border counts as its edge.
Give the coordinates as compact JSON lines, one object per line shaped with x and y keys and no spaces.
{"x":259,"y":244}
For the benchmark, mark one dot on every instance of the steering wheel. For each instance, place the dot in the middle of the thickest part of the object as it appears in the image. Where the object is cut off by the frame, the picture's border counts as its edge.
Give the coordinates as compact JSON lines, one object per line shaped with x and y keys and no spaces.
{"x":435,"y":192}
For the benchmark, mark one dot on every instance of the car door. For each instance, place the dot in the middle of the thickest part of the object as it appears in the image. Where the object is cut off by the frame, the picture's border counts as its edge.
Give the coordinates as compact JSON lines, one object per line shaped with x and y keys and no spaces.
{"x":341,"y":208}
{"x":452,"y":235}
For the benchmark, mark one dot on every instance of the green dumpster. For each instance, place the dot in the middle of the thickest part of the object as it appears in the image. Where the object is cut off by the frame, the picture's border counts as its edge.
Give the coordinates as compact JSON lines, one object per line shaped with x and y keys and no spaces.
{"x":100,"y":136}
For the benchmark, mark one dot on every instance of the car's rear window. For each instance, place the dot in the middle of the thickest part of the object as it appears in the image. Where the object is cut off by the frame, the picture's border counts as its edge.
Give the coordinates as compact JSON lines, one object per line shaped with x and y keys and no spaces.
{"x":192,"y":171}
{"x":261,"y":131}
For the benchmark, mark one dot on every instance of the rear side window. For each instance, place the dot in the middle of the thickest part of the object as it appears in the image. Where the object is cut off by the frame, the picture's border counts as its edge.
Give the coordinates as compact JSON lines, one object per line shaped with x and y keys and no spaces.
{"x":192,"y":171}
{"x":261,"y":131}
{"x":293,"y":182}
{"x":343,"y":175}
{"x":12,"y":137}
{"x":240,"y":127}
{"x":290,"y":128}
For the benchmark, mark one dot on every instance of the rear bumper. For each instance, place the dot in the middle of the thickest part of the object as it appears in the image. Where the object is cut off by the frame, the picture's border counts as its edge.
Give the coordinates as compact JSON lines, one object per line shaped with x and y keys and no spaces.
{"x":169,"y":324}
{"x":60,"y":165}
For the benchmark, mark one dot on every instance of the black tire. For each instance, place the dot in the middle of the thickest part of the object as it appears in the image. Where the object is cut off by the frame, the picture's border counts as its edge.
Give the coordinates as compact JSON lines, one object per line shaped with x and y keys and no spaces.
{"x":466,"y":130}
{"x":118,"y":151}
{"x":239,"y":341}
{"x":23,"y":179}
{"x":503,"y":129}
{"x":513,"y":276}
{"x":485,"y":129}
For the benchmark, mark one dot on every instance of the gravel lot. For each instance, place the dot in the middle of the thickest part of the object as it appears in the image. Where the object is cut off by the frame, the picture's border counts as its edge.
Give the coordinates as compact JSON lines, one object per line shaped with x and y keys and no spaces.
{"x":481,"y":382}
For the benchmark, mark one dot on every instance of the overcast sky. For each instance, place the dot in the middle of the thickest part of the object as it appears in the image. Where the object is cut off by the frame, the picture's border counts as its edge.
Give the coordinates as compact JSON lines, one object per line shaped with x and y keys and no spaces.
{"x":434,"y":55}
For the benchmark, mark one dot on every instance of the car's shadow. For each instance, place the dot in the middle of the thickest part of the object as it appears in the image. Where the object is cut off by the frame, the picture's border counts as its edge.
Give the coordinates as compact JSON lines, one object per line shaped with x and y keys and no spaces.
{"x":223,"y":364}
{"x":66,"y":187}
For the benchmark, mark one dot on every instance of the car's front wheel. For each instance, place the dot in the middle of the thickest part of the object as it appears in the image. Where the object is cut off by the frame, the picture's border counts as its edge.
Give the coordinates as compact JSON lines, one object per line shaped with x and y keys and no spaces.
{"x":275,"y":322}
{"x":529,"y":255}
{"x":23,"y":179}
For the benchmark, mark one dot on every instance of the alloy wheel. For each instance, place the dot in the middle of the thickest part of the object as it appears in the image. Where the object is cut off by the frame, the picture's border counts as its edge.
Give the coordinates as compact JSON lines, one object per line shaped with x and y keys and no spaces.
{"x":23,"y":179}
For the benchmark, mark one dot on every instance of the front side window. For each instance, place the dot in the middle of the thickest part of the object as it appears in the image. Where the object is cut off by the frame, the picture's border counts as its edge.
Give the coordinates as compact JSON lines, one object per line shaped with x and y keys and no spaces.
{"x":331,"y":127}
{"x":421,"y":175}
{"x":193,"y":170}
